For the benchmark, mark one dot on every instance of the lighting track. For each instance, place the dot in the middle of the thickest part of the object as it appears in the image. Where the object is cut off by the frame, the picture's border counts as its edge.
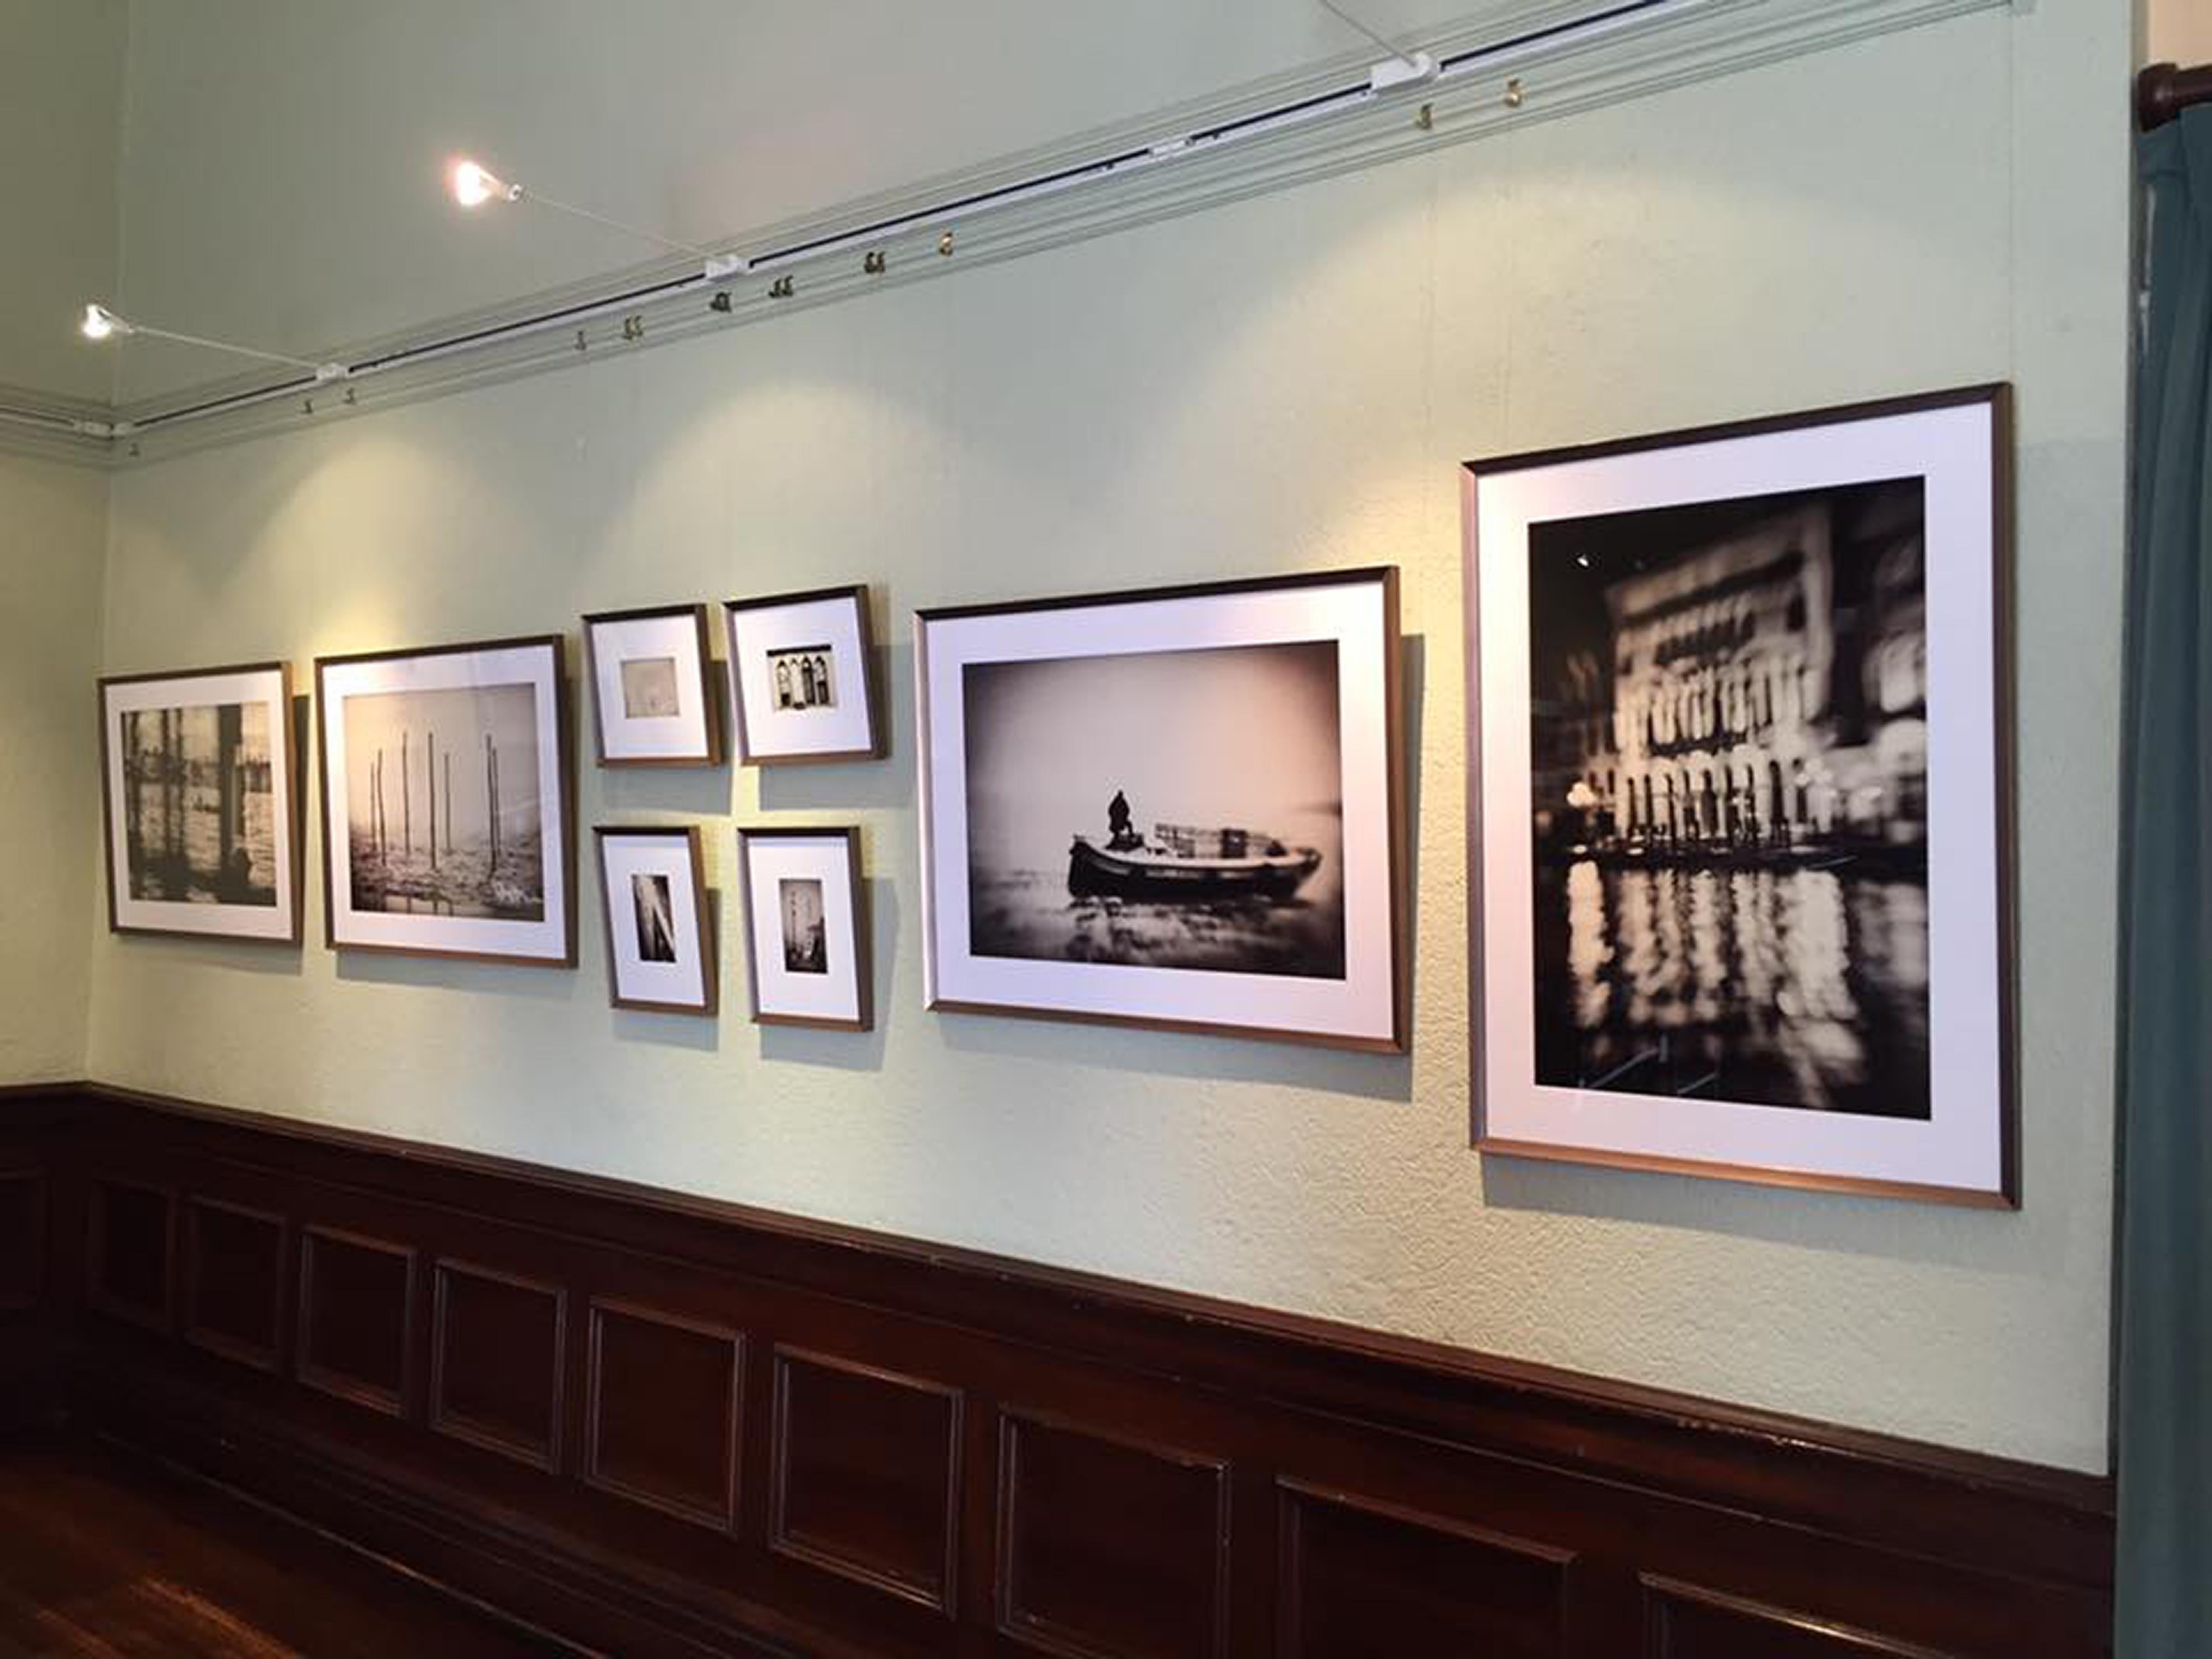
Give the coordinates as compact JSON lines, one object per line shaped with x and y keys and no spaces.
{"x":1759,"y":31}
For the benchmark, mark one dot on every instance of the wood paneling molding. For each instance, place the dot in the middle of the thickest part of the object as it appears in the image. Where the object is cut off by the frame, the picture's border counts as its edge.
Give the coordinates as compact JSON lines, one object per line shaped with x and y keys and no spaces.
{"x":790,"y":1437}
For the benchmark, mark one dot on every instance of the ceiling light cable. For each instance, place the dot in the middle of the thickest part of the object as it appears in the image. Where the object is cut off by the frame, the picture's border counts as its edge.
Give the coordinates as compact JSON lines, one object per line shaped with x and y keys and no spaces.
{"x":99,"y":323}
{"x":473,"y":185}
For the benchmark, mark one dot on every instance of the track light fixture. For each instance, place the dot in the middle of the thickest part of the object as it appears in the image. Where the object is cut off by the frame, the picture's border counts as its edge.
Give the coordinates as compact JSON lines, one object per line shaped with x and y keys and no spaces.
{"x":99,"y":323}
{"x":473,"y":185}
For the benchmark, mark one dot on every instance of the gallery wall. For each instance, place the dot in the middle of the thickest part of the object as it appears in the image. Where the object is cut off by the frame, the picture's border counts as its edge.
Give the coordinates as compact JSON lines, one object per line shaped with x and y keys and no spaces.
{"x":53,"y":528}
{"x":1288,"y":383}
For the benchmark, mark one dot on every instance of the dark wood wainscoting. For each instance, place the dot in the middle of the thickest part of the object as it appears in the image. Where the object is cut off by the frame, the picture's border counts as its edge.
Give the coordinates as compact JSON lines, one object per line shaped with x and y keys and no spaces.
{"x":662,"y":1425}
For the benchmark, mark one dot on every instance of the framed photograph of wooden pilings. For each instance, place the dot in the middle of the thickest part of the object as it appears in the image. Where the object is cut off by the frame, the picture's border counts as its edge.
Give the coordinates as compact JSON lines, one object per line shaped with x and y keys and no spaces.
{"x":660,"y":932}
{"x":653,"y":696}
{"x":1180,"y":808}
{"x":448,"y":805}
{"x":806,"y":928}
{"x":802,"y":678}
{"x":199,"y":777}
{"x":1740,"y":827}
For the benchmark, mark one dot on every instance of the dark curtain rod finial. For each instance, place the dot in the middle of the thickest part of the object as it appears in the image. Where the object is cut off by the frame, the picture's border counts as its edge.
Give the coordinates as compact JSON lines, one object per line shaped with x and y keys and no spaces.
{"x":2164,"y":90}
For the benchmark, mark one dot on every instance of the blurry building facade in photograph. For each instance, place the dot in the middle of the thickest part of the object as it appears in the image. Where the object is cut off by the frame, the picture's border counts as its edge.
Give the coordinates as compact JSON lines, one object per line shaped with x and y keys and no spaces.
{"x":1729,"y":770}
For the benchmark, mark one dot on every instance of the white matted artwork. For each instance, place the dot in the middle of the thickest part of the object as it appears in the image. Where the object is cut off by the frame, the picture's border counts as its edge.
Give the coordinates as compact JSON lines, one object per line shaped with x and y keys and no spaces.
{"x":806,"y":928}
{"x":1741,"y":893}
{"x":1178,"y":808}
{"x":660,"y":935}
{"x":447,"y":801}
{"x":197,"y":770}
{"x":652,"y":694}
{"x":802,"y":677}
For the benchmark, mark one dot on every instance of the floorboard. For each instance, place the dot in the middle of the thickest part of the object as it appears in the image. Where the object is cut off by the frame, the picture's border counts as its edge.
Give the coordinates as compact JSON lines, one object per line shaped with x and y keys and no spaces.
{"x":107,"y":1557}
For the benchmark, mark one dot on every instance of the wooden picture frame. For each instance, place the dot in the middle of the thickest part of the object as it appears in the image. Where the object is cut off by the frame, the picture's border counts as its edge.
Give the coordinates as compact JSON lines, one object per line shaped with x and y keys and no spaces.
{"x":1745,"y":692}
{"x":1209,"y":700}
{"x":485,"y":921}
{"x":839,"y":920}
{"x":826,"y":630}
{"x":204,"y":892}
{"x":685,"y":924}
{"x":683,"y":689}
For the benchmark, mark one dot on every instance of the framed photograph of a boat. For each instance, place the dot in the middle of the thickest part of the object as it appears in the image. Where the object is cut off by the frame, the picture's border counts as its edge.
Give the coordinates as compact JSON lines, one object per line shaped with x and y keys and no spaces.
{"x":1178,"y":808}
{"x":1739,"y":800}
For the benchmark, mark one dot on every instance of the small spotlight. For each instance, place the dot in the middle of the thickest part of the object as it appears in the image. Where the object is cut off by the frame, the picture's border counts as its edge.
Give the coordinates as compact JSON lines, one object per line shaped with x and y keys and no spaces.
{"x":474,"y":185}
{"x":99,"y":323}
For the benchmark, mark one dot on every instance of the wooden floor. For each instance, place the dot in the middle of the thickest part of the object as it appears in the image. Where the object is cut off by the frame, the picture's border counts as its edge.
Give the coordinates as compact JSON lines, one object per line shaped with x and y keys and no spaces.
{"x":102,"y":1554}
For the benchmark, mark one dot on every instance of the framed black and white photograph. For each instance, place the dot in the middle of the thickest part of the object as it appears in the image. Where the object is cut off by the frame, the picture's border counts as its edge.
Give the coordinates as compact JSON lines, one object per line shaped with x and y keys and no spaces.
{"x":1740,"y":835}
{"x":1179,"y":808}
{"x":806,"y":928}
{"x":660,"y":934}
{"x":198,"y":775}
{"x":654,"y":697}
{"x":802,"y":677}
{"x":448,"y":801}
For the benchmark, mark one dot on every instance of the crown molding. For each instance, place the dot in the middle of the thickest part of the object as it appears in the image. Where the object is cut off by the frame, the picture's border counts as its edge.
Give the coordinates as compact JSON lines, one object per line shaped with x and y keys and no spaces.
{"x":1527,"y":64}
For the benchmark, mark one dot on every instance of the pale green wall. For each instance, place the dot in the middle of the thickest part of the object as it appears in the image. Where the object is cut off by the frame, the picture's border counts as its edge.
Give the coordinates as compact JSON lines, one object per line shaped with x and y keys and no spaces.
{"x":53,"y":528}
{"x":1287,"y":383}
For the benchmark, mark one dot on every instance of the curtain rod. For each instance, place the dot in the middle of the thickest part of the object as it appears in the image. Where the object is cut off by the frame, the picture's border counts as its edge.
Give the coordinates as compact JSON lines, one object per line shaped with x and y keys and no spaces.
{"x":2164,"y":90}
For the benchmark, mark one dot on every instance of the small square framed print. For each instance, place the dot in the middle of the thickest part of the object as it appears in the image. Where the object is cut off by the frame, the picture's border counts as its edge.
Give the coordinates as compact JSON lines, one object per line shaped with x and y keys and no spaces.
{"x":803,"y":678}
{"x":202,"y":792}
{"x":806,"y":928}
{"x":652,"y":687}
{"x":660,"y":931}
{"x":1739,"y":751}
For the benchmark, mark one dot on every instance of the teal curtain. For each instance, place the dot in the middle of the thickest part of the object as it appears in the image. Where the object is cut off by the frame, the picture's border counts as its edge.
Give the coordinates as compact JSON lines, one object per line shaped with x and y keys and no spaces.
{"x":2164,"y":1372}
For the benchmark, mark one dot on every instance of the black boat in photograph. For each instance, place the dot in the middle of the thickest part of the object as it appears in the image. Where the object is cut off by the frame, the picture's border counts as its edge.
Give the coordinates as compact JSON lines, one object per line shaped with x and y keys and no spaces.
{"x":1183,"y":863}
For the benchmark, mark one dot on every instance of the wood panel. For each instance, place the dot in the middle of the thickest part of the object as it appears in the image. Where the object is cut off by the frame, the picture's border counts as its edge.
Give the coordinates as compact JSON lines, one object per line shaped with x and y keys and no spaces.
{"x":127,"y":1254}
{"x":234,"y":1281}
{"x":1682,"y":1621}
{"x":865,"y":1481}
{"x":1359,"y":1577}
{"x":878,"y":1447}
{"x":356,"y":1317}
{"x":498,"y":1354}
{"x":665,"y":1401}
{"x":1110,"y":1548}
{"x":22,"y":1237}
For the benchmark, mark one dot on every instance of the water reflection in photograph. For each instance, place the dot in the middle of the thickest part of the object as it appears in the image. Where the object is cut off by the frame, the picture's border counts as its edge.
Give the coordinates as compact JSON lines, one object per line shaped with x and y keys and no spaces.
{"x":1730,"y":754}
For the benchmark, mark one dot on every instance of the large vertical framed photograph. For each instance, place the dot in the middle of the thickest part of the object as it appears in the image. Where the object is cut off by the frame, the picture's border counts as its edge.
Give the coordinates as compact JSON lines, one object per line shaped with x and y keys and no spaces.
{"x":448,"y":805}
{"x":660,"y":932}
{"x":1739,"y":825}
{"x":1181,"y":808}
{"x":802,"y":678}
{"x":806,"y":928}
{"x":201,"y":787}
{"x":652,"y":693}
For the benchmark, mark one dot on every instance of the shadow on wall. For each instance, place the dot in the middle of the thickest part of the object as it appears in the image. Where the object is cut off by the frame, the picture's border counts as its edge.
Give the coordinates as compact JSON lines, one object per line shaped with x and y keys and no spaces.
{"x":847,"y":1051}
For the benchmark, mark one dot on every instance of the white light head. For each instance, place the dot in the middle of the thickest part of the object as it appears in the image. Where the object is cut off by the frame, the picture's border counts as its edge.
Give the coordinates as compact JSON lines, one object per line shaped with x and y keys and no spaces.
{"x":99,"y":323}
{"x":474,"y":185}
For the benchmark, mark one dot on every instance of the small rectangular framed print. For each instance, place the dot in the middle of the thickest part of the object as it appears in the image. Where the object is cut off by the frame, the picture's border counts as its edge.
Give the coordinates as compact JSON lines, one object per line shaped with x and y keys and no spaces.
{"x":660,"y":932}
{"x":448,"y":805}
{"x":1740,"y":827}
{"x":652,"y":687}
{"x":803,"y":678}
{"x":1181,"y":808}
{"x":199,"y":776}
{"x":806,"y":928}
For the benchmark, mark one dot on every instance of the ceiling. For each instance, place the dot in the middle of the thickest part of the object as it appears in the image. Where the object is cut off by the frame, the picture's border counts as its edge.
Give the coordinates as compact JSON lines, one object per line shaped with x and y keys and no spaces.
{"x":269,"y":170}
